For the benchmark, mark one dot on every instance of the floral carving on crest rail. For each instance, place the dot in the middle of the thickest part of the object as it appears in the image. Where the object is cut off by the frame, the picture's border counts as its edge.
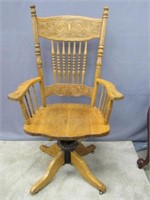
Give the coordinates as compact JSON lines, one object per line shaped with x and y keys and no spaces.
{"x":69,"y":28}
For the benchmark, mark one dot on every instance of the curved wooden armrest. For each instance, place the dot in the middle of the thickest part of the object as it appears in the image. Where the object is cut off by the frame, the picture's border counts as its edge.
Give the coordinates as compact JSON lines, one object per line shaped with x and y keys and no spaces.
{"x":22,"y":89}
{"x":111,"y":90}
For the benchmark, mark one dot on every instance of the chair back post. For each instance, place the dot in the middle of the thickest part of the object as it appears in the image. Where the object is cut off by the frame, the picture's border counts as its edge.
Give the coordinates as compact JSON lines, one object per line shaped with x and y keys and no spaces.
{"x":101,"y":43}
{"x":38,"y":52}
{"x":100,"y":53}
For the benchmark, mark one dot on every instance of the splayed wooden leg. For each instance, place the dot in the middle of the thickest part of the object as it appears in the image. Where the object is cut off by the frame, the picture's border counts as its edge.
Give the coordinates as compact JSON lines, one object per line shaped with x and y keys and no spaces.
{"x":81,"y":166}
{"x":55,"y":164}
{"x":83,"y":150}
{"x":52,"y":150}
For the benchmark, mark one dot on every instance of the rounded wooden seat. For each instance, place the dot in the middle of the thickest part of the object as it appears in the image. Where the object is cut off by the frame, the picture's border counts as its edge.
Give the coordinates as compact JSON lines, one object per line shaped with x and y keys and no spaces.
{"x":67,"y":122}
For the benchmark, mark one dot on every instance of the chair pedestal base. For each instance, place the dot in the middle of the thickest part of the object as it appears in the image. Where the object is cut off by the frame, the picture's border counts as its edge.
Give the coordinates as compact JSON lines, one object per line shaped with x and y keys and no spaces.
{"x":80,"y":149}
{"x":63,"y":156}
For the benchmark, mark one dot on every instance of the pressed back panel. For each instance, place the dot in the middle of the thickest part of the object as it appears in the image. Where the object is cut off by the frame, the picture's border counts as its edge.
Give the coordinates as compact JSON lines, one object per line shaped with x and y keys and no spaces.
{"x":69,"y":28}
{"x":68,"y":37}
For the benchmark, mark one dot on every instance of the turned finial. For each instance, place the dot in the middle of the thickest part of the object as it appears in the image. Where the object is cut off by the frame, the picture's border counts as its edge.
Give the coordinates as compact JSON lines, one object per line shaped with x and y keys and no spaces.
{"x":33,"y":10}
{"x":105,"y":13}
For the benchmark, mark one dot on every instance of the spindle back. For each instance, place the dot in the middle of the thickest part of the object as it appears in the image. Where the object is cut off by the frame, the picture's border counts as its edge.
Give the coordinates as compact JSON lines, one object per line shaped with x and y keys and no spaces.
{"x":68,"y":37}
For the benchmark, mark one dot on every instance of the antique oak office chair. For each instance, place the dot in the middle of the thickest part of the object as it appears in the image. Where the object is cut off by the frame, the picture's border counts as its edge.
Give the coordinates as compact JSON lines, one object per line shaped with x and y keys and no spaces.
{"x":67,"y":123}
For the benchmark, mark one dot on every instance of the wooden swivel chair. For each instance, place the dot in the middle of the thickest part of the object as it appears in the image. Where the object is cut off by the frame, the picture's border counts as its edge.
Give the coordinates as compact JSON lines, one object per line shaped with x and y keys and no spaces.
{"x":67,"y":123}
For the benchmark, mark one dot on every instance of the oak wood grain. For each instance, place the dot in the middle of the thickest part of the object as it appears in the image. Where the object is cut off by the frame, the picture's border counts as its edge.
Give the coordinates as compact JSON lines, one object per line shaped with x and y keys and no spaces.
{"x":69,"y":38}
{"x":22,"y":89}
{"x":67,"y":122}
{"x":81,"y":166}
{"x":54,"y":166}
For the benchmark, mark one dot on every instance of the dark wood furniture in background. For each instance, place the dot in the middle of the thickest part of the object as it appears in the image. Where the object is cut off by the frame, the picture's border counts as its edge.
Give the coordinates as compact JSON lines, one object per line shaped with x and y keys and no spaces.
{"x":141,"y":162}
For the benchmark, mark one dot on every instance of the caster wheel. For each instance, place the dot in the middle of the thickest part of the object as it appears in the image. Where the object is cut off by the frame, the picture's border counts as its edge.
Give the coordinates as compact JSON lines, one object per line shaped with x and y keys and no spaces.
{"x":100,"y":192}
{"x":141,"y":163}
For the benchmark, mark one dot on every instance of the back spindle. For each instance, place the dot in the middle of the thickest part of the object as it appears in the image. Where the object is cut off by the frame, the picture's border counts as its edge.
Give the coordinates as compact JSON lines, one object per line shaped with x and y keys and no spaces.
{"x":74,"y":62}
{"x":53,"y":60}
{"x":69,"y":61}
{"x":79,"y":63}
{"x":64,"y":61}
{"x":58,"y":62}
{"x":84,"y":61}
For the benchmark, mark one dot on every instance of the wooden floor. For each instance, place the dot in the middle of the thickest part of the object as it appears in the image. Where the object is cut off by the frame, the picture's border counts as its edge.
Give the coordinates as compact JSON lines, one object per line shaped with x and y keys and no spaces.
{"x":67,"y":121}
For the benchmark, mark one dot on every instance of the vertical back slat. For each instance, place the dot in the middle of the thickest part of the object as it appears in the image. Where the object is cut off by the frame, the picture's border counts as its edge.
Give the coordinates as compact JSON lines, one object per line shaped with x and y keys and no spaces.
{"x":63,"y":62}
{"x":58,"y":62}
{"x":84,"y":62}
{"x":74,"y":62}
{"x":69,"y":61}
{"x":53,"y":60}
{"x":79,"y":63}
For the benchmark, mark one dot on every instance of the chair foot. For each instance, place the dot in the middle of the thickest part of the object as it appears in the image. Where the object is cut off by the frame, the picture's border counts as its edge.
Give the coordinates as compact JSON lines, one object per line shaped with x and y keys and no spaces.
{"x":81,"y":166}
{"x":141,"y":162}
{"x":100,"y":192}
{"x":82,"y":150}
{"x":55,"y":164}
{"x":52,"y":150}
